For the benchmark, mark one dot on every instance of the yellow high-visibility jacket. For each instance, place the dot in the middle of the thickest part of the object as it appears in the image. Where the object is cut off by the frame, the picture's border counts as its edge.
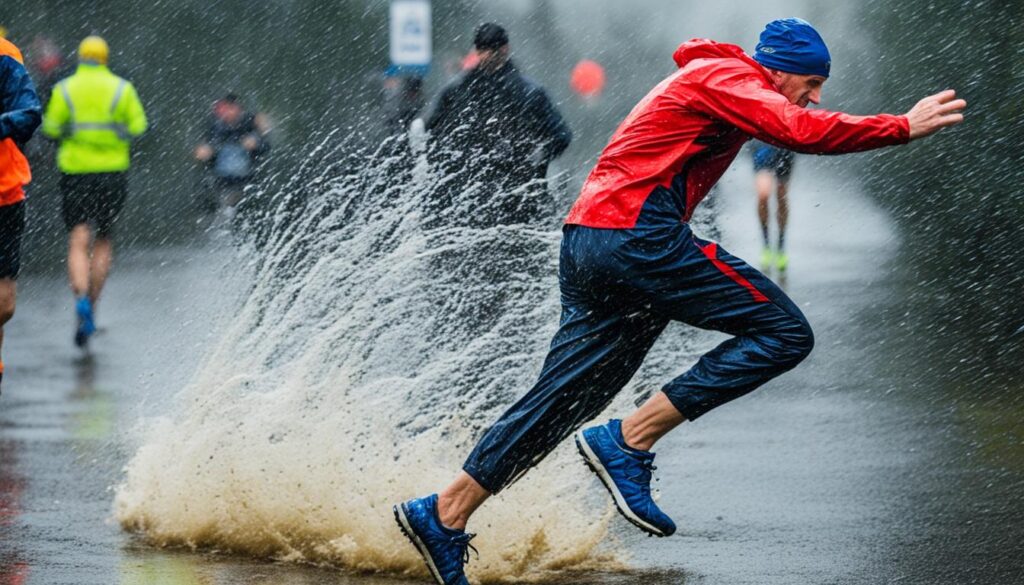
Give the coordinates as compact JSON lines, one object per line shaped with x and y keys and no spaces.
{"x":94,"y":114}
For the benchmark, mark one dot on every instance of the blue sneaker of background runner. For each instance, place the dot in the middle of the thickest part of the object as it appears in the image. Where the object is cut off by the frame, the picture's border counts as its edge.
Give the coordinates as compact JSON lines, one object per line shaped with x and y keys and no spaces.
{"x":86,"y":325}
{"x":444,"y":549}
{"x":626,"y":472}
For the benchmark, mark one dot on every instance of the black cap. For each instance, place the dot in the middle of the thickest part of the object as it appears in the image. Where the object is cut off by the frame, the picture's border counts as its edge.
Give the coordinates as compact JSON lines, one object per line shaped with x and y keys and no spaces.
{"x":489,"y":36}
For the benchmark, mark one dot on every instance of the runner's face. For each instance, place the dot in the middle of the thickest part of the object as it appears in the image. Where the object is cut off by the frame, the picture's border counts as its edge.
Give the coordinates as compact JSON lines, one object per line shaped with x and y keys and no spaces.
{"x":799,"y":89}
{"x":492,"y":59}
{"x":228,"y":112}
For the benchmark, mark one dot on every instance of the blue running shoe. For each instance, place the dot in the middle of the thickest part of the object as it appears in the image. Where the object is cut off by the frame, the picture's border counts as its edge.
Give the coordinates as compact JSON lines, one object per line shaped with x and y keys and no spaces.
{"x":444,"y":549}
{"x":86,"y":325}
{"x":626,"y":472}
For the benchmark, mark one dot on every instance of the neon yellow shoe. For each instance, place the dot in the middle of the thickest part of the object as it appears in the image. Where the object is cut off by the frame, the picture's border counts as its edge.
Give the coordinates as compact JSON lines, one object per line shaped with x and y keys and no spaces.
{"x":767,"y":259}
{"x":781,"y":261}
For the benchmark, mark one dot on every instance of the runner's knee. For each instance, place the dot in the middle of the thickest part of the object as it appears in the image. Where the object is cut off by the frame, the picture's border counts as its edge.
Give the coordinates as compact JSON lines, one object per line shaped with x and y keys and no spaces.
{"x":6,"y":308}
{"x":788,"y":344}
{"x":795,"y":343}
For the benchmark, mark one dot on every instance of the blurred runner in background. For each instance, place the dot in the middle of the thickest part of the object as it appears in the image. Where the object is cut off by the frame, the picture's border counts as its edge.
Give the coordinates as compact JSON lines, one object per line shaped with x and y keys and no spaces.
{"x":20,"y":114}
{"x":46,"y":64}
{"x":95,"y":115}
{"x":502,"y":131}
{"x":236,"y":140}
{"x":772,"y":168}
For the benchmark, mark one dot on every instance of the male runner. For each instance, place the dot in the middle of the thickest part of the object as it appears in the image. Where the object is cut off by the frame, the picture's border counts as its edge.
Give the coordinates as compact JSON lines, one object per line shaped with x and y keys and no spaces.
{"x":236,"y":140}
{"x":20,"y":114}
{"x":95,"y":115}
{"x":772,"y":168}
{"x":630,"y":264}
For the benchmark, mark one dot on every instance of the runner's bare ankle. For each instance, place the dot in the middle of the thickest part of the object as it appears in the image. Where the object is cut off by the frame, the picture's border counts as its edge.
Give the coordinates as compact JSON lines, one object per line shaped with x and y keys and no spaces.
{"x":633,"y":437}
{"x":449,"y":514}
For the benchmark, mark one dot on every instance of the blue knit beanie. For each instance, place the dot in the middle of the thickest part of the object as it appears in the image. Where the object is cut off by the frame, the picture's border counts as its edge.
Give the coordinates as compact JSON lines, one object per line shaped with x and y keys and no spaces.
{"x":792,"y":45}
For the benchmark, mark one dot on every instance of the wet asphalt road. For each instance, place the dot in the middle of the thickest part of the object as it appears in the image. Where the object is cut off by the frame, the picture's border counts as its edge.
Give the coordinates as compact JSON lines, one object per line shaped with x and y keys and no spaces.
{"x":860,"y":466}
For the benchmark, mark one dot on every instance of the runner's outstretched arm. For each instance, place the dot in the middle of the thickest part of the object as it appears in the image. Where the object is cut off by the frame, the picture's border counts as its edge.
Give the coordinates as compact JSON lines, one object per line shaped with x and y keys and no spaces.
{"x":935,"y":112}
{"x":767,"y":115}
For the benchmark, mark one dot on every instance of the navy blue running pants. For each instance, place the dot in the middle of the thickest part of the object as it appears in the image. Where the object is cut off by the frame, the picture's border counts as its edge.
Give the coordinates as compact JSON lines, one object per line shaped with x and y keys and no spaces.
{"x":619,"y":289}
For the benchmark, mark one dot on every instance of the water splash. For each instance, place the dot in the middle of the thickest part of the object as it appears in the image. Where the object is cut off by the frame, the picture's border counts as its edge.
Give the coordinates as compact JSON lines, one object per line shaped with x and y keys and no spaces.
{"x":379,"y":336}
{"x":381,"y":333}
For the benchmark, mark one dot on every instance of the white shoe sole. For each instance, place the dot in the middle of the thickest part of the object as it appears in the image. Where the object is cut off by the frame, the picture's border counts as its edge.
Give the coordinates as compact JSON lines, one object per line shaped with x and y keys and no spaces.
{"x":403,"y":523}
{"x":595,"y":465}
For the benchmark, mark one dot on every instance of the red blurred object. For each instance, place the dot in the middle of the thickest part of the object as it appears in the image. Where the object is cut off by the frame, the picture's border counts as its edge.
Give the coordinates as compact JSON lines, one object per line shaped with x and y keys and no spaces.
{"x":471,"y":60}
{"x":587,"y":78}
{"x":45,"y":55}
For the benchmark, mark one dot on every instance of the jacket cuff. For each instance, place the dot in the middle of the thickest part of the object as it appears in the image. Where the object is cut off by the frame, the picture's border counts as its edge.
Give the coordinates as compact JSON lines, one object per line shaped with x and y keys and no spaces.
{"x":904,"y":129}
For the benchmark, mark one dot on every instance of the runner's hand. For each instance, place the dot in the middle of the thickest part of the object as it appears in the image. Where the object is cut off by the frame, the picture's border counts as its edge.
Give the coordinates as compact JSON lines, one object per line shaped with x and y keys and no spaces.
{"x":934,"y":113}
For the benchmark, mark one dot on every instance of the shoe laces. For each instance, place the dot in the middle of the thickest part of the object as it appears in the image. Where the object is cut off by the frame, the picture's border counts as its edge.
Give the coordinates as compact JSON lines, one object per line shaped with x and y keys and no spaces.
{"x":462,"y":542}
{"x":644,"y":473}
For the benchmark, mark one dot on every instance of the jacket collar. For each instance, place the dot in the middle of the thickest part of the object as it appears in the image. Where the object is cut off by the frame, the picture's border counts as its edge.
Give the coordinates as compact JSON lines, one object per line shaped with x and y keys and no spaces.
{"x":695,"y":49}
{"x":90,"y":66}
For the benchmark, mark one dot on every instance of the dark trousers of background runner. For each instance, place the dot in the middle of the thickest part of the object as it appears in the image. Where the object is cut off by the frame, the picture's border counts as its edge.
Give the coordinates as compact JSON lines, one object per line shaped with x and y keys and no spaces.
{"x":93,"y":198}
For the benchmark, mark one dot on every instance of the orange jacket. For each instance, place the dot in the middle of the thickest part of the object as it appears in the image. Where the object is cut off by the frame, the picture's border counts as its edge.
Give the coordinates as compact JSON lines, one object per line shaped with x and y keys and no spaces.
{"x":20,"y":114}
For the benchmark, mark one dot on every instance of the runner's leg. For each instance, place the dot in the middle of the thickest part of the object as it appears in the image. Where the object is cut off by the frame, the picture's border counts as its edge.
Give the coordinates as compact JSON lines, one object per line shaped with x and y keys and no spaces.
{"x":782,"y":211}
{"x":99,"y":268}
{"x":723,"y":293}
{"x":12,"y":226}
{"x":602,"y":339}
{"x":763,"y":184}
{"x":113,"y":192}
{"x":74,"y":195}
{"x":592,"y":357}
{"x":78,"y":259}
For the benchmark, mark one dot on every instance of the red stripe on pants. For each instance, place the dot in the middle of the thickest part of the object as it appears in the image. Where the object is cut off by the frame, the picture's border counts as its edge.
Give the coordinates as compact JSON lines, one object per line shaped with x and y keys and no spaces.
{"x":711,"y":251}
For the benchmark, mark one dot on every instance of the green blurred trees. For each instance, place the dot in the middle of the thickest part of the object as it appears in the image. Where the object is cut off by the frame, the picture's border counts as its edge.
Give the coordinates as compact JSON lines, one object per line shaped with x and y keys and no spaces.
{"x":959,"y":196}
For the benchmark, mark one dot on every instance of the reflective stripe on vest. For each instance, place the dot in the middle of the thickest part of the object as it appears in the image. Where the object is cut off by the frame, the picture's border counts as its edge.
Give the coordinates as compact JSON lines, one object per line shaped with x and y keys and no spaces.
{"x":119,"y":129}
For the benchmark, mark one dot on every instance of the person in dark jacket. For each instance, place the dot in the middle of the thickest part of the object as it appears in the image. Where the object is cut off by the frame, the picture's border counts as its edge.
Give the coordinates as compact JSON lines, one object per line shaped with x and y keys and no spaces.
{"x":20,"y":115}
{"x":234,"y":143}
{"x":499,"y":131}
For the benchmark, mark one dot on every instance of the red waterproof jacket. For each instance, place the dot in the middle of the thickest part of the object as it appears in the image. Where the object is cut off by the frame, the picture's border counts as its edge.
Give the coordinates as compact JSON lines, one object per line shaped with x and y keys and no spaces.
{"x":684,"y":134}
